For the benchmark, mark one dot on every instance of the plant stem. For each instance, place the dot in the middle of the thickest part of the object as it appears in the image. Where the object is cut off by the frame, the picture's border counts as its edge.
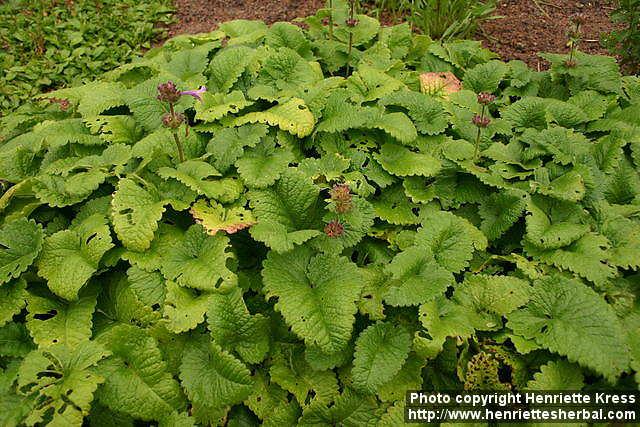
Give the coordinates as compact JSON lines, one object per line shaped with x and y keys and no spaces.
{"x":351,"y":15}
{"x":477,"y":148}
{"x":349,"y":53}
{"x":330,"y":19}
{"x":175,"y":135}
{"x":179,"y":144}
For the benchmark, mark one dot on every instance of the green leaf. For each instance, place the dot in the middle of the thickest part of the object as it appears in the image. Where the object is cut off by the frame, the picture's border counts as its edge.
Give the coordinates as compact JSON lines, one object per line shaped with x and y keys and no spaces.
{"x":228,"y":145}
{"x":415,"y":278}
{"x":166,"y":237}
{"x":136,"y":212}
{"x":570,"y":319}
{"x":212,"y":378}
{"x":499,"y":212}
{"x":60,"y":191}
{"x":394,"y":207}
{"x":184,"y":308}
{"x":215,"y":106}
{"x":70,"y":257}
{"x":316,"y":294}
{"x":15,"y":340}
{"x":271,"y":403}
{"x":557,"y":375}
{"x":485,"y":77}
{"x":13,"y":298}
{"x":137,"y":381}
{"x":199,"y":261}
{"x":408,"y":378}
{"x":491,"y":297}
{"x":233,"y":328}
{"x":292,"y":116}
{"x":261,"y":166}
{"x":198,"y":175}
{"x":587,"y":257}
{"x":226,"y":67}
{"x":149,"y":287}
{"x":214,"y":217}
{"x":380,"y":352}
{"x":20,"y":244}
{"x":52,"y":321}
{"x":286,"y":212}
{"x":427,"y":114}
{"x":553,"y":224}
{"x":293,"y":373}
{"x":277,"y":237}
{"x":118,"y":303}
{"x":347,"y":409}
{"x":401,"y":161}
{"x":451,"y":239}
{"x":368,"y":84}
{"x":443,"y":318}
{"x":64,"y":380}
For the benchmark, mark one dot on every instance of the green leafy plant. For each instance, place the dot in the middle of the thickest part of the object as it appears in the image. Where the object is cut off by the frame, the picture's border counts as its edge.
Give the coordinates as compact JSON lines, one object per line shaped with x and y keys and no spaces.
{"x":326,"y":240}
{"x":47,"y":44}
{"x":625,"y":40}
{"x":440,"y":19}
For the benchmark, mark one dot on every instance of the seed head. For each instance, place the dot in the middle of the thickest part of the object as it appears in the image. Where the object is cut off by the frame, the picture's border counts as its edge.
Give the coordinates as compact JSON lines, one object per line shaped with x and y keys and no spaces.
{"x":485,"y":98}
{"x":481,"y":122}
{"x":334,"y":229}
{"x":570,"y":63}
{"x":168,"y":92}
{"x":172,"y":122}
{"x":341,"y":197}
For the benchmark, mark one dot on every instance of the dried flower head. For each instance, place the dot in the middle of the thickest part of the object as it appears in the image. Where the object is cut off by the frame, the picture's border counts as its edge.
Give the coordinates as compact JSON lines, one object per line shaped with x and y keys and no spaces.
{"x":341,"y":197}
{"x":334,"y":229}
{"x":168,"y":92}
{"x":485,"y":98}
{"x":570,"y":63}
{"x":352,"y":22}
{"x":173,"y":122}
{"x":480,"y":121}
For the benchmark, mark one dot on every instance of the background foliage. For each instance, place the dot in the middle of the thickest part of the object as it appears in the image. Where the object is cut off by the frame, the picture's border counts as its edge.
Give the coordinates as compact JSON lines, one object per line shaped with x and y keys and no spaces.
{"x":52,"y":43}
{"x":439,"y":19}
{"x":625,"y":41}
{"x":248,"y":284}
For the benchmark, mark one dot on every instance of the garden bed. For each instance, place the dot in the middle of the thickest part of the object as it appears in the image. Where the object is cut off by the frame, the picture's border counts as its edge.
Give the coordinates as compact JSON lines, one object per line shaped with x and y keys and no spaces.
{"x":525,"y":30}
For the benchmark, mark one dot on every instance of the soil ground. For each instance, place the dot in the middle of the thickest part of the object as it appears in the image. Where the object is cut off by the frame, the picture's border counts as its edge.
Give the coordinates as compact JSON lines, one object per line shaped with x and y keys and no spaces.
{"x":526,"y":27}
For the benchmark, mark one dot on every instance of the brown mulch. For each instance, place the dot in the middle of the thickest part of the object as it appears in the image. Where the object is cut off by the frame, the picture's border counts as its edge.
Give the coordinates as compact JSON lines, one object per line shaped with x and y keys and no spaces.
{"x":527,"y":29}
{"x":524,"y":30}
{"x":198,"y":16}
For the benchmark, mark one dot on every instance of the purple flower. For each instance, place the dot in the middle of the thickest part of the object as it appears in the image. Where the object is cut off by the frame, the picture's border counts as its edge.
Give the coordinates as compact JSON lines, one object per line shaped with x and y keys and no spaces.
{"x":480,"y":121}
{"x":195,"y":93}
{"x":485,"y":98}
{"x":167,"y":92}
{"x":334,"y":229}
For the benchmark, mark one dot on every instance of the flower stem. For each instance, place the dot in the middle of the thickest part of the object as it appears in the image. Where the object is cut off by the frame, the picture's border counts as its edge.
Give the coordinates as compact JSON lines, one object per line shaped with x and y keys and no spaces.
{"x":179,"y":145}
{"x":175,"y":135}
{"x":352,"y":11}
{"x":477,"y":148}
{"x":330,"y":19}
